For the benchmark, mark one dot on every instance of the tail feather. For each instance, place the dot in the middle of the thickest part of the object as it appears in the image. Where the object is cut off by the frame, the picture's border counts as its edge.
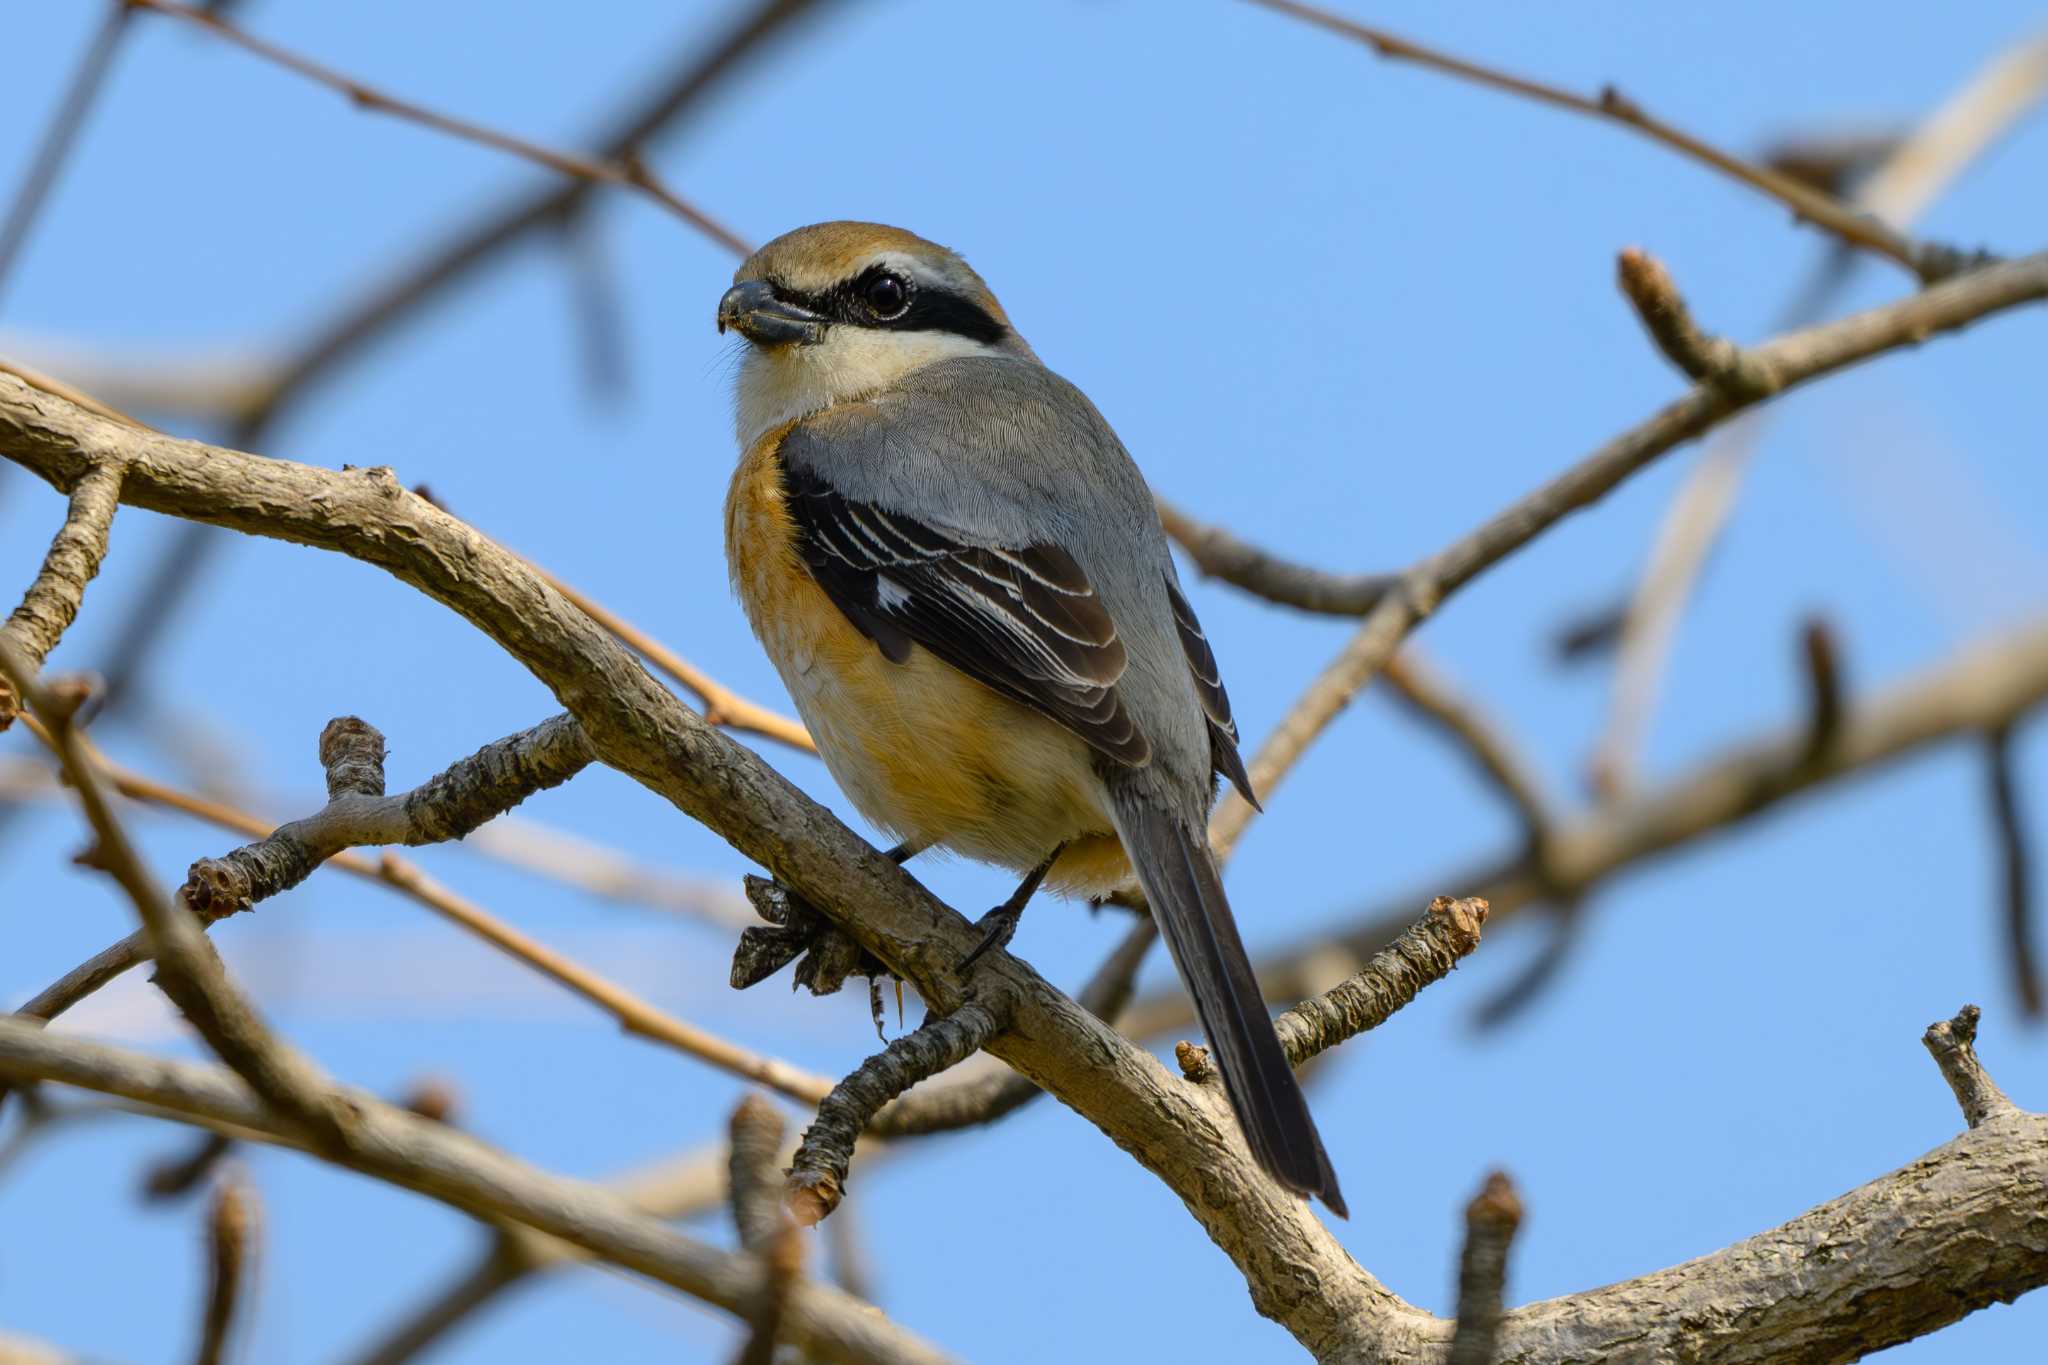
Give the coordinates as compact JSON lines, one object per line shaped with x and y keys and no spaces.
{"x":1178,"y":874}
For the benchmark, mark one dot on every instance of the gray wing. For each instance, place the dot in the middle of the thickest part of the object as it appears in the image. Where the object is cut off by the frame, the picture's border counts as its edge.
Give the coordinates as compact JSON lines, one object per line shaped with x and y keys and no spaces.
{"x":1020,"y":619}
{"x":984,"y":510}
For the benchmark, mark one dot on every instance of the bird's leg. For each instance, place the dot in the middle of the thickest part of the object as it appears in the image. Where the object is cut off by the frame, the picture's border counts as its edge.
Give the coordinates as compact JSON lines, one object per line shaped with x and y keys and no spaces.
{"x":795,"y":929}
{"x":1000,"y":924}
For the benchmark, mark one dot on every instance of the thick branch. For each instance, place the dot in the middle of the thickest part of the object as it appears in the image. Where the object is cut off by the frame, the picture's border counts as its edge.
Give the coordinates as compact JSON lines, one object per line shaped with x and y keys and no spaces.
{"x":456,"y":1169}
{"x":817,"y":1178}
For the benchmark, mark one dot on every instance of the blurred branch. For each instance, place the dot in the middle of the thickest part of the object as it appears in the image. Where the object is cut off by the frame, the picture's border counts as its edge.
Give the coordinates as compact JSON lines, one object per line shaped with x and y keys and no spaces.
{"x":1430,"y":695}
{"x":1908,"y":179}
{"x":1929,"y":261}
{"x":764,"y":1226}
{"x":372,"y":311}
{"x":628,"y":173}
{"x":2010,"y":827}
{"x":61,"y":135}
{"x":1825,"y":693}
{"x":460,"y":1171}
{"x":230,"y":1235}
{"x":1490,"y":1223}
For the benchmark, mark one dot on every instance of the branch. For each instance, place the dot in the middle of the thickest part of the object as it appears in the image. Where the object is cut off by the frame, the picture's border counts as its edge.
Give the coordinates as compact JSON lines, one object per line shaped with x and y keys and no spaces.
{"x":1909,"y":179}
{"x":1809,"y":204}
{"x":764,"y":1226}
{"x":1396,"y":975}
{"x":1490,"y":1223}
{"x":639,"y":728}
{"x":79,"y":547}
{"x":448,"y":806}
{"x":629,"y":174}
{"x":817,"y":1178}
{"x":2010,"y":826}
{"x":188,"y":971}
{"x":230,"y":1231}
{"x":60,"y":135}
{"x":1431,"y":696}
{"x":1702,"y":358}
{"x":464,"y":1173}
{"x":1219,"y":554}
{"x":1953,"y":1045}
{"x":1789,"y":360}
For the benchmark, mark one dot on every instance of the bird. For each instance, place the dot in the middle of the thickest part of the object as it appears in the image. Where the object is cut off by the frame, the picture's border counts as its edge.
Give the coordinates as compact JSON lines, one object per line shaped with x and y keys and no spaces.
{"x":960,"y":575}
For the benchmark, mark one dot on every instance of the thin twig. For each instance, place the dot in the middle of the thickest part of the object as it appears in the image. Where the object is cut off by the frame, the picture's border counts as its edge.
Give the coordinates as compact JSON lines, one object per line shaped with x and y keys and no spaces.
{"x":1953,"y":1044}
{"x":2009,"y":825}
{"x":817,"y":1177}
{"x":1435,"y":944}
{"x":1490,"y":1223}
{"x":1826,"y":692}
{"x":61,"y":135}
{"x":1808,"y":204}
{"x":721,"y":705}
{"x":629,"y":174}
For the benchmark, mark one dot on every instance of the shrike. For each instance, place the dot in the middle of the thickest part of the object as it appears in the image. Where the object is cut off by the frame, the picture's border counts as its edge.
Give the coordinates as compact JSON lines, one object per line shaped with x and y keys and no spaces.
{"x":960,"y":575}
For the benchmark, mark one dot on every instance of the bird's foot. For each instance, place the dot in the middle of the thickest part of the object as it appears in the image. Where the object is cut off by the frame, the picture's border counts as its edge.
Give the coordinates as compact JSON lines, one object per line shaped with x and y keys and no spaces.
{"x":796,"y":929}
{"x":998,"y":927}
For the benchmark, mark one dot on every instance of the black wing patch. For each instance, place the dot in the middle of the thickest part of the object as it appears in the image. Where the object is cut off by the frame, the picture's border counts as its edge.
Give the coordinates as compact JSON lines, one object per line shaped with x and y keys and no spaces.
{"x":1022,"y":621}
{"x":1223,"y":753}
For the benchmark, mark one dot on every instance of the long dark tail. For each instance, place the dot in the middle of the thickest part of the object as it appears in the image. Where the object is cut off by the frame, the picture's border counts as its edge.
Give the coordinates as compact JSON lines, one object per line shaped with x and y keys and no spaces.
{"x":1179,"y":876}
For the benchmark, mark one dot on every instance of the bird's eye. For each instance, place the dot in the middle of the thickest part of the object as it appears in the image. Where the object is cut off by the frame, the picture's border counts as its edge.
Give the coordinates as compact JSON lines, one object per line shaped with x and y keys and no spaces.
{"x":887,"y":295}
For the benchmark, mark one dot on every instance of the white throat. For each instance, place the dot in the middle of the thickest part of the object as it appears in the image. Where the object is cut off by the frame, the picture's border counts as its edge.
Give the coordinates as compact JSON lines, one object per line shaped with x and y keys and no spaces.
{"x":795,"y":381}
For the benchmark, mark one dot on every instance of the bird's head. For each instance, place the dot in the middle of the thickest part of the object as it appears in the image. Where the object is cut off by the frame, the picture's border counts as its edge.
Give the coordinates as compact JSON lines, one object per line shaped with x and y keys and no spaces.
{"x":843,"y":310}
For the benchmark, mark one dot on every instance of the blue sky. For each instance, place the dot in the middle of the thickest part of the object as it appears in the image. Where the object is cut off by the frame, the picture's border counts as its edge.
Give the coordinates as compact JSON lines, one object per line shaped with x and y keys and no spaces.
{"x":1346,"y":307}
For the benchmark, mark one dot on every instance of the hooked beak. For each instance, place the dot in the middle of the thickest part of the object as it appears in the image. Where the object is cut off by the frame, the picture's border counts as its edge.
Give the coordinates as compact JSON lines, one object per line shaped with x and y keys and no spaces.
{"x":753,"y":310}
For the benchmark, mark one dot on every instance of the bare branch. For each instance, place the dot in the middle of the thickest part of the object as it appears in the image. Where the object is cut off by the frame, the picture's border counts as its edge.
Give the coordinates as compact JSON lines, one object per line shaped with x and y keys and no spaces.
{"x":630,"y":174}
{"x":817,"y":1178}
{"x":1953,"y":1044}
{"x":1490,"y":1223}
{"x":1431,"y":696}
{"x":1808,"y":204}
{"x":1427,"y":952}
{"x":458,"y":1170}
{"x":1825,"y":702}
{"x":60,"y":135}
{"x":231,"y":1226}
{"x":79,"y":547}
{"x":1701,"y":358}
{"x":754,"y":1172}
